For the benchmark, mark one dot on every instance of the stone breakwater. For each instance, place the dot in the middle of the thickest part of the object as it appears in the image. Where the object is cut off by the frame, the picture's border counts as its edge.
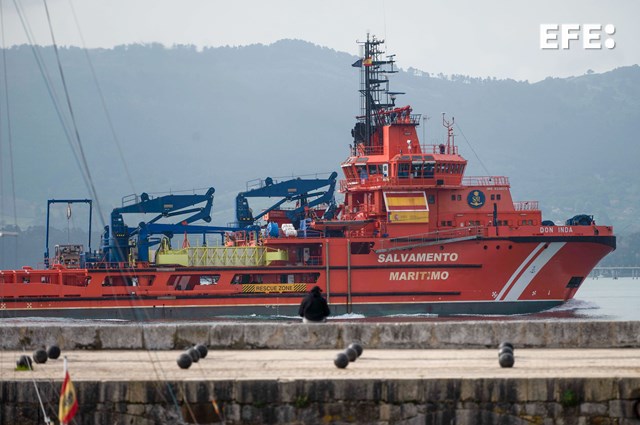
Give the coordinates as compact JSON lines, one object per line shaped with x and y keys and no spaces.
{"x":441,"y":401}
{"x":465,"y":387}
{"x":569,"y":372}
{"x":226,"y":335}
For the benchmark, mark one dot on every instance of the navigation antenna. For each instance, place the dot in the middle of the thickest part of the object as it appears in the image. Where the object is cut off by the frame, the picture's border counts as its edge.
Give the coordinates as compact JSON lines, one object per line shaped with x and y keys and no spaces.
{"x":374,"y":89}
{"x":450,"y":136}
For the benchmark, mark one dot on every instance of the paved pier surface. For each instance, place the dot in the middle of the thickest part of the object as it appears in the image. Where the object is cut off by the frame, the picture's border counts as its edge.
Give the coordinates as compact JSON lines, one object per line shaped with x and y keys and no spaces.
{"x":105,"y":365}
{"x":384,"y":386}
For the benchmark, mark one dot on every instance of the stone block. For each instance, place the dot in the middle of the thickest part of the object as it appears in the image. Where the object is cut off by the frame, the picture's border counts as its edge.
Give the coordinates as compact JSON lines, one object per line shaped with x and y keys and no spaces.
{"x":562,"y":334}
{"x":159,"y":337}
{"x":622,"y":409}
{"x":596,"y":334}
{"x":352,"y":332}
{"x":419,"y":419}
{"x":600,"y":389}
{"x":539,"y":390}
{"x":120,"y":337}
{"x":629,"y":388}
{"x":535,"y":409}
{"x":594,"y":409}
{"x":625,"y":334}
{"x":227,"y":335}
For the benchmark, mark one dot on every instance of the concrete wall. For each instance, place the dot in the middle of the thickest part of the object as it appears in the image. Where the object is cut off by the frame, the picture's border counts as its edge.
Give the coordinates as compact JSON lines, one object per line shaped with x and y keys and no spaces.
{"x":157,"y":336}
{"x":438,"y":401}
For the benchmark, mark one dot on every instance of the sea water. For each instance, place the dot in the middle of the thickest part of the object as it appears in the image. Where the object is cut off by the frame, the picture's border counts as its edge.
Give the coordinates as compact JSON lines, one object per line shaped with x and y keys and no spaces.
{"x":607,"y":299}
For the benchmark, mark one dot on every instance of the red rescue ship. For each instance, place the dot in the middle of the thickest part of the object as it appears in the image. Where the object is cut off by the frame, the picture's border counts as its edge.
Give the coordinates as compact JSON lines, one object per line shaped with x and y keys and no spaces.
{"x":413,"y":235}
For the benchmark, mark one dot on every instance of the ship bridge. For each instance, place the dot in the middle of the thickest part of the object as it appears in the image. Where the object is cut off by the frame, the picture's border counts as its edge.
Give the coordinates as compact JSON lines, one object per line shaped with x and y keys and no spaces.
{"x":396,"y":186}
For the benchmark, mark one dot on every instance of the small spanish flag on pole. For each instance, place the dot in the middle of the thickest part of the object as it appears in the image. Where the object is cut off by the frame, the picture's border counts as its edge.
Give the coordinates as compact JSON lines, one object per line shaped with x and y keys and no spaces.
{"x":68,"y":401}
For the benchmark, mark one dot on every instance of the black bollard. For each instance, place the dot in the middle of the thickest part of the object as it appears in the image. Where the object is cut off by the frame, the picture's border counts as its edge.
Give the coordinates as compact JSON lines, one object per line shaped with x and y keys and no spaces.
{"x":184,"y":361}
{"x":24,"y":362}
{"x":352,"y":354}
{"x":505,"y":344}
{"x":40,"y":356}
{"x":53,"y":352}
{"x":341,"y":361}
{"x":202,"y":350}
{"x":358,"y":347}
{"x":505,"y":349}
{"x":506,"y":360}
{"x":195,"y":354}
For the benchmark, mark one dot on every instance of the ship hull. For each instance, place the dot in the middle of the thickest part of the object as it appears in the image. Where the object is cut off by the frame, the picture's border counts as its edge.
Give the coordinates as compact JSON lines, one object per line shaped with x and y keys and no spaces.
{"x":281,"y":312}
{"x":510,"y":274}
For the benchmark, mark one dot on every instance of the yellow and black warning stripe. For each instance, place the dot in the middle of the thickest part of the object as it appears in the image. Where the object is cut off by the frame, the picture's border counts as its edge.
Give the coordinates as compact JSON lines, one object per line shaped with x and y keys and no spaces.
{"x":268,"y":288}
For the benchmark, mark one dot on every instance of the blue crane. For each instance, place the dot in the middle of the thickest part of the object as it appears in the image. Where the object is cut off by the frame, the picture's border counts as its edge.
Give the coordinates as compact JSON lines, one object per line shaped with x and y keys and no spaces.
{"x":116,"y":245}
{"x":290,"y":190}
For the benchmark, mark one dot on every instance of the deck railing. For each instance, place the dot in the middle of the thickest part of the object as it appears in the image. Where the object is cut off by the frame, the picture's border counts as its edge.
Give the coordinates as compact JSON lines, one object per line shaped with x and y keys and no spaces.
{"x":437,"y":236}
{"x":525,"y":205}
{"x":485,"y":181}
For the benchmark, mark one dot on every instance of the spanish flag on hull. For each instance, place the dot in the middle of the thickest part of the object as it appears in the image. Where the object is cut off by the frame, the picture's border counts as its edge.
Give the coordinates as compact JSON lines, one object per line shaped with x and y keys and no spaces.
{"x":407,"y":207}
{"x":68,"y":401}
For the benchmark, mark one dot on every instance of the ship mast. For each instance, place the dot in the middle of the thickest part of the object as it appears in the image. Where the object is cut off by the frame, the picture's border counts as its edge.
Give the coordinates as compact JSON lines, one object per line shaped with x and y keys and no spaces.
{"x":374,"y":91}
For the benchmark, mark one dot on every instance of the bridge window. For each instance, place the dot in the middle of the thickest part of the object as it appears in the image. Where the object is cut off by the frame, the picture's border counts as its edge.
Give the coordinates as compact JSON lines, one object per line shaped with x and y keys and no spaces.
{"x":362,"y":171}
{"x":403,"y":170}
{"x":348,"y":171}
{"x":428,"y":170}
{"x":375,"y":169}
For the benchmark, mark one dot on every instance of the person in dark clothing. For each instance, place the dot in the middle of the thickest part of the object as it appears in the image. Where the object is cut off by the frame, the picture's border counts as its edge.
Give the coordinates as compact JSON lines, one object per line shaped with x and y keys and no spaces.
{"x":314,"y":308}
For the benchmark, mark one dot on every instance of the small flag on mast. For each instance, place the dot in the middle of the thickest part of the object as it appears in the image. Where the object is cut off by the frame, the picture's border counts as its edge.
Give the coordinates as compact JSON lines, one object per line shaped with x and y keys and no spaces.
{"x":68,"y":401}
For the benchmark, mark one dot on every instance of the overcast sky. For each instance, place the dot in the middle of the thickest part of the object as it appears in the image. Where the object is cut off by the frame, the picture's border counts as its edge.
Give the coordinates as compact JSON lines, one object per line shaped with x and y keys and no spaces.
{"x":471,"y":37}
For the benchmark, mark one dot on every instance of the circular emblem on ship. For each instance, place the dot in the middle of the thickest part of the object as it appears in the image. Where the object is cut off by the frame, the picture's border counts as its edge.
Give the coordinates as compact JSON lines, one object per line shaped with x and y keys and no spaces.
{"x":476,"y":199}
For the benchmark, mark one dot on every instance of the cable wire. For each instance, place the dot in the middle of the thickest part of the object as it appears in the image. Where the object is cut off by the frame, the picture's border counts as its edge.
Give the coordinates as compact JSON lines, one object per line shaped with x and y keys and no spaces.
{"x":102,"y":101}
{"x":473,"y":150}
{"x":89,"y":179}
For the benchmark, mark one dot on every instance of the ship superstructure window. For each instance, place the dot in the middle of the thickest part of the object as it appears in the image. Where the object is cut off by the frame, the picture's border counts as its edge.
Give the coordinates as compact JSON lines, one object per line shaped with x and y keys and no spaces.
{"x":210,"y":279}
{"x":403,"y":170}
{"x":421,"y":170}
{"x":373,"y":170}
{"x":348,"y":172}
{"x":361,"y":247}
{"x":361,"y":171}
